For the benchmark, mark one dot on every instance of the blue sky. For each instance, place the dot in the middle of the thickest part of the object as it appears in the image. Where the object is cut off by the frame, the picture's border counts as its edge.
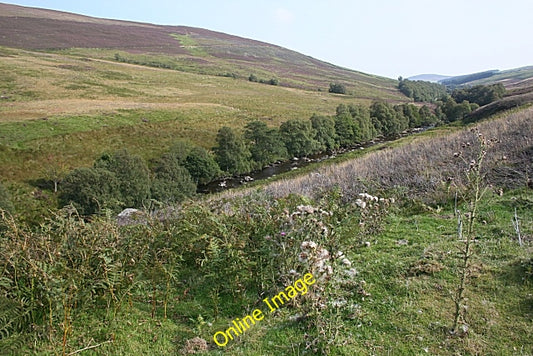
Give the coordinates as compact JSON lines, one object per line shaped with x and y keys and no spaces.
{"x":384,"y":37}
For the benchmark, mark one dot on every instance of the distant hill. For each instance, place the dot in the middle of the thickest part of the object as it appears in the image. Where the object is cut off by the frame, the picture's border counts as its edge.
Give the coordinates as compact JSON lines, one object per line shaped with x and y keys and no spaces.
{"x":178,"y":47}
{"x":511,"y":79}
{"x":434,"y":78}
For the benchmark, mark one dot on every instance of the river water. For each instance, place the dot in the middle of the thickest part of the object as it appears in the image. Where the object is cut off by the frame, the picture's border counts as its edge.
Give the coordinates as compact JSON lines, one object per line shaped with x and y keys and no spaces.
{"x":280,"y":167}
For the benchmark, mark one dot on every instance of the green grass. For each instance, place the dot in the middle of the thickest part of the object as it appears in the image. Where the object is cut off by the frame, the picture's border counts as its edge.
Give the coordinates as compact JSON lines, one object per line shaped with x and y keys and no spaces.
{"x":406,"y":312}
{"x":191,"y":45}
{"x":92,"y":106}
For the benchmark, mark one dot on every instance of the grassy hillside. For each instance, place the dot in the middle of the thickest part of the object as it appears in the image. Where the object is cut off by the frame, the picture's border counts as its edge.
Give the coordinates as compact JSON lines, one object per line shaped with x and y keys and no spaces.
{"x":75,"y":108}
{"x":184,"y":48}
{"x":168,"y":286}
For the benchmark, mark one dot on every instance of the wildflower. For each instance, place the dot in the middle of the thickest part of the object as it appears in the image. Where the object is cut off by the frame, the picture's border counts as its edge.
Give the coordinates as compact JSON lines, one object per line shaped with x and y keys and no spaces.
{"x":323,"y":254}
{"x":306,"y":209}
{"x":303,"y":257}
{"x":338,"y":303}
{"x":283,"y":233}
{"x":346,"y":262}
{"x":352,"y":272}
{"x":308,"y":245}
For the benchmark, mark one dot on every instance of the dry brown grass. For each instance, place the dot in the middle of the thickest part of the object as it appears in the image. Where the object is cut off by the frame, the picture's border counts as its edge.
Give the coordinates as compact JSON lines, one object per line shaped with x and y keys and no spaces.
{"x":43,"y":84}
{"x":14,"y":112}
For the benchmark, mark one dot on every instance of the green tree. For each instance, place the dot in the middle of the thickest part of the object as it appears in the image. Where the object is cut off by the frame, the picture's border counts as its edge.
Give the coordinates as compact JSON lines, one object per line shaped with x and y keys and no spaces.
{"x":201,"y":165}
{"x":479,"y":94}
{"x":364,"y":129}
{"x":454,"y":111}
{"x":231,"y":152}
{"x":427,"y":118}
{"x":266,"y":143}
{"x":299,"y":137}
{"x":353,"y":124}
{"x":345,"y":128}
{"x":421,"y":90}
{"x":54,"y":170}
{"x":90,"y":190}
{"x":337,"y":88}
{"x":179,"y":151}
{"x":172,"y":183}
{"x":326,"y":134}
{"x":132,"y":174}
{"x":411,"y":113}
{"x":386,"y":119}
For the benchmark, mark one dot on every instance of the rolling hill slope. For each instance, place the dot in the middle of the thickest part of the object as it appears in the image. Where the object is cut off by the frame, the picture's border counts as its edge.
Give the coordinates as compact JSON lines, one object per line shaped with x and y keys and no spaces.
{"x":185,"y":48}
{"x":511,"y":78}
{"x":64,"y":94}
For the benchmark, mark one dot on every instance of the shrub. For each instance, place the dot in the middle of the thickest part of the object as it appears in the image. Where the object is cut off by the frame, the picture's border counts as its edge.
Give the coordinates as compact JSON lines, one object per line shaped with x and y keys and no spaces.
{"x":132,"y":174}
{"x":273,"y":81}
{"x":231,"y":153}
{"x":337,"y":88}
{"x":201,"y":165}
{"x":173,"y":182}
{"x":90,"y":190}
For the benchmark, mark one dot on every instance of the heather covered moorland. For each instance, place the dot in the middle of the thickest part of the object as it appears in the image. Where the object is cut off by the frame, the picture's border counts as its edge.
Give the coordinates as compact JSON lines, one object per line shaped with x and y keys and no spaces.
{"x":413,"y":244}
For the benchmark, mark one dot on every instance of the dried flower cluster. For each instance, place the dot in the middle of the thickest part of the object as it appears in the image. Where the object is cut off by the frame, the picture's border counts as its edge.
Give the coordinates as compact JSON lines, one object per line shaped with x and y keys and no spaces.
{"x":195,"y":345}
{"x":317,"y":258}
{"x":366,"y":200}
{"x":372,"y":211}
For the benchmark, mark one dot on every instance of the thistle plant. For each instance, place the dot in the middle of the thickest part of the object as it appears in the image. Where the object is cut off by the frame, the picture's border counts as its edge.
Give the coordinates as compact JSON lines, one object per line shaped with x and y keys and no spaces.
{"x":471,"y":193}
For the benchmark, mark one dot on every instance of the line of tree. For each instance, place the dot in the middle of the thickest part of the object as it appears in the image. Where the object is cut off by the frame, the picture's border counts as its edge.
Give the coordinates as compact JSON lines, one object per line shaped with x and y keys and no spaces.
{"x":479,"y":94}
{"x":463,"y":79}
{"x":422,"y":91}
{"x":123,"y":180}
{"x":463,"y":101}
{"x":261,"y":145}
